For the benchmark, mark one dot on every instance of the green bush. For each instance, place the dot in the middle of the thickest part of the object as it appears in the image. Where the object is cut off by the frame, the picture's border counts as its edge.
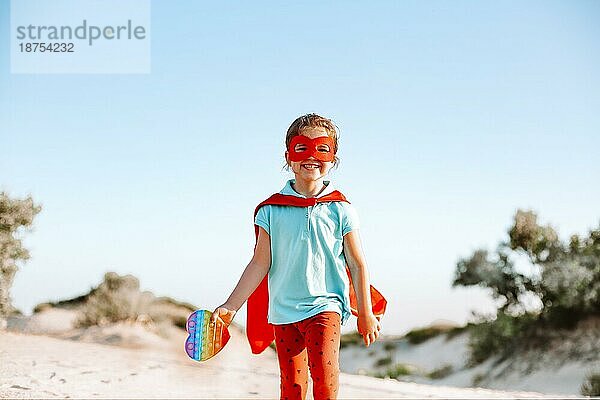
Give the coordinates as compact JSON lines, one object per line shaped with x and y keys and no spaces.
{"x":16,"y":216}
{"x":350,"y":339}
{"x":116,"y":299}
{"x":421,"y":335}
{"x":441,"y":372}
{"x":395,"y":371}
{"x":477,"y":380}
{"x":383,"y":361}
{"x":591,"y":385}
{"x":453,"y":332}
{"x":389,"y":346}
{"x":566,"y":284}
{"x":499,"y":336}
{"x":180,"y":322}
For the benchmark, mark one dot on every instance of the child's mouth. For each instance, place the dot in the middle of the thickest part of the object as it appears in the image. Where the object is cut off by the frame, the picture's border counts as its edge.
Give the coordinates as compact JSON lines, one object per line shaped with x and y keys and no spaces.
{"x":311,"y":166}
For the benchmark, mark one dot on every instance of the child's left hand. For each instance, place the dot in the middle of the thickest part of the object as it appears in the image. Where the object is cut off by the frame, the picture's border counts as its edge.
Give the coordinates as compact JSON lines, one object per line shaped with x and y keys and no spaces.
{"x":368,"y":327}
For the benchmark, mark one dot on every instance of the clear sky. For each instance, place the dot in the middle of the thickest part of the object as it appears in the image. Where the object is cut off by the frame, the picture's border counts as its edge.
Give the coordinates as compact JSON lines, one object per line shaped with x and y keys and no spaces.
{"x":452,"y":115}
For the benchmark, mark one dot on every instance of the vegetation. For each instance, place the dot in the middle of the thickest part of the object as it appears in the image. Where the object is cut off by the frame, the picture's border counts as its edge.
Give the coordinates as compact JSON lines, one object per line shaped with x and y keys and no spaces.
{"x":441,"y":372}
{"x":421,"y":335}
{"x":457,"y":330}
{"x":389,"y":346}
{"x":477,"y":380}
{"x":118,"y":298}
{"x":383,"y":361}
{"x":15,"y":215}
{"x":565,"y":282}
{"x":500,"y":336}
{"x":399,"y":370}
{"x":591,"y":385}
{"x":395,"y":371}
{"x":350,"y":339}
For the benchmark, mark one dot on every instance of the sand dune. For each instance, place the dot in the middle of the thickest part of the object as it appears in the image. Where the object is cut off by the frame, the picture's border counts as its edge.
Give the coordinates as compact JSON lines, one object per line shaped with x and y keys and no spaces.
{"x":137,"y":362}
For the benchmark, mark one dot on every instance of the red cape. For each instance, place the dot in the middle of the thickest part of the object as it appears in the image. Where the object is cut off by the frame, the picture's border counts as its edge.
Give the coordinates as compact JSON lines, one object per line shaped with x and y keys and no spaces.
{"x":260,"y":333}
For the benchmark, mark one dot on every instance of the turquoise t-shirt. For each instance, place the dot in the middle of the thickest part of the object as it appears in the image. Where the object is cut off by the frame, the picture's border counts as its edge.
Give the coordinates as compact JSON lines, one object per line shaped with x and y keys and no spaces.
{"x":308,"y":267}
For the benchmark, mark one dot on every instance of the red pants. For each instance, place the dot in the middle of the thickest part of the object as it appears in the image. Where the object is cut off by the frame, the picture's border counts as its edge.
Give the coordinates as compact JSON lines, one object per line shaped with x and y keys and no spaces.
{"x":313,"y":342}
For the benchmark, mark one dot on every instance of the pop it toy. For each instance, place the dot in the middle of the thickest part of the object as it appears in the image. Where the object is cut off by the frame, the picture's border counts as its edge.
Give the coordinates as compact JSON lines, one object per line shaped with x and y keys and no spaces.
{"x":204,"y":340}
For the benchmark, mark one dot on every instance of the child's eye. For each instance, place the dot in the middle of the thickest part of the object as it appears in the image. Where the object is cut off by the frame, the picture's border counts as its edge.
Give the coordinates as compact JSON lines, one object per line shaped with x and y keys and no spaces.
{"x":299,"y":148}
{"x":323,"y":149}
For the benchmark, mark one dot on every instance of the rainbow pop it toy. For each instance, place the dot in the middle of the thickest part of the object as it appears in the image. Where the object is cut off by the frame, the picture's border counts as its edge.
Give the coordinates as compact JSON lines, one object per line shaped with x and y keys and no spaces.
{"x":204,"y":340}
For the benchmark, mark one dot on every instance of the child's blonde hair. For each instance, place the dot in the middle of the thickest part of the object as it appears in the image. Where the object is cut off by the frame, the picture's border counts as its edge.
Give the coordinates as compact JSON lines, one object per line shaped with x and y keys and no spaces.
{"x":313,"y":121}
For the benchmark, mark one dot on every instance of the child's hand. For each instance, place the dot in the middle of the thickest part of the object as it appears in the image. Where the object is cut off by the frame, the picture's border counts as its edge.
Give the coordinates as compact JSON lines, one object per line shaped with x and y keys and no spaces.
{"x":368,"y":327}
{"x":223,"y":312}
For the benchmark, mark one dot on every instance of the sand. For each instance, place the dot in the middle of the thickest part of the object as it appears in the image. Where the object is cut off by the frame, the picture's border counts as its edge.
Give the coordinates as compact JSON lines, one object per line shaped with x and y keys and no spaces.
{"x":137,"y":363}
{"x":554,"y":373}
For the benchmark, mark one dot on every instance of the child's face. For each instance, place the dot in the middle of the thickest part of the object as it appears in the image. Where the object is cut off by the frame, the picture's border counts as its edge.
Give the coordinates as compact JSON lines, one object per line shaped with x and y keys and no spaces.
{"x":310,"y":169}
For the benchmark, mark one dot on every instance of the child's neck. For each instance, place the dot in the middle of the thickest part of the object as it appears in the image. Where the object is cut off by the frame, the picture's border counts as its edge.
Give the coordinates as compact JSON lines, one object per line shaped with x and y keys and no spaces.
{"x":308,"y":188}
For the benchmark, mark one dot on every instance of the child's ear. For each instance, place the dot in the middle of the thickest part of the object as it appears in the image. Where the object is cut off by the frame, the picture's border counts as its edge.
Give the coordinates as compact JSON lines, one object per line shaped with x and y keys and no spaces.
{"x":287,"y":158}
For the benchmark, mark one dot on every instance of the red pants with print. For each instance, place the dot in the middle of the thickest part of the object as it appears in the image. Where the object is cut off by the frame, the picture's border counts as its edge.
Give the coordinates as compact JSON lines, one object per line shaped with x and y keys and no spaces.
{"x":313,"y":342}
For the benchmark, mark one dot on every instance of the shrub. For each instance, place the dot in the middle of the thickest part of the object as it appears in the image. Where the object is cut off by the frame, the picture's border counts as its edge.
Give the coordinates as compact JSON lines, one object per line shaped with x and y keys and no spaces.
{"x":565,"y":284}
{"x":441,"y":372}
{"x":497,"y":337}
{"x":591,"y":385}
{"x":116,"y":299}
{"x":15,"y":215}
{"x":453,"y":332}
{"x":477,"y":380}
{"x":350,"y":339}
{"x":167,"y":309}
{"x":395,"y":371}
{"x":383,"y":361}
{"x":389,"y":346}
{"x":180,"y":322}
{"x":421,"y":335}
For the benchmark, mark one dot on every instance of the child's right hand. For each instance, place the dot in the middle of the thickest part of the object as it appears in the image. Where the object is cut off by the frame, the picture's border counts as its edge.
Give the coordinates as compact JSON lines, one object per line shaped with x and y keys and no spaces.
{"x":224,"y":312}
{"x":368,"y":327}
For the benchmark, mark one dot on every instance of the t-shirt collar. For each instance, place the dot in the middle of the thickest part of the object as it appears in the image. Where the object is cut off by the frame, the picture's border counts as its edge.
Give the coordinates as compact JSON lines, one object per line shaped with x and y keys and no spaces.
{"x":288,"y":190}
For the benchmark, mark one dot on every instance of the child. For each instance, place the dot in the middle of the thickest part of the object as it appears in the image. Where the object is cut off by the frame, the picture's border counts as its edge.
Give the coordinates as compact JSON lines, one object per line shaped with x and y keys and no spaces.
{"x":303,"y":252}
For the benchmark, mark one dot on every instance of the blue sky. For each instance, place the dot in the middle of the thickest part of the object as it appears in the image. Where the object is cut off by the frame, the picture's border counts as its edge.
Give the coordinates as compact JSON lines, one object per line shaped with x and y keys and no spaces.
{"x":452,"y":115}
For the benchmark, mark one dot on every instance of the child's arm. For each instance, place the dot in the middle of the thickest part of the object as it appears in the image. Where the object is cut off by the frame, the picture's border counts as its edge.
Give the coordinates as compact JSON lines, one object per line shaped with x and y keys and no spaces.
{"x":251,"y":277}
{"x":368,"y":324}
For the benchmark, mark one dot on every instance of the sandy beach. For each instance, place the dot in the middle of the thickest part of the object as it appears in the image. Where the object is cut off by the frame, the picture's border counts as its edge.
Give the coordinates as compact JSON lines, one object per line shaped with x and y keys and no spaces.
{"x":128,"y":361}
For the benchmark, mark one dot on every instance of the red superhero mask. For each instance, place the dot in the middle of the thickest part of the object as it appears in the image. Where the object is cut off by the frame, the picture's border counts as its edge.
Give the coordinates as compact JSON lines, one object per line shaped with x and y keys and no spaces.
{"x":302,"y":147}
